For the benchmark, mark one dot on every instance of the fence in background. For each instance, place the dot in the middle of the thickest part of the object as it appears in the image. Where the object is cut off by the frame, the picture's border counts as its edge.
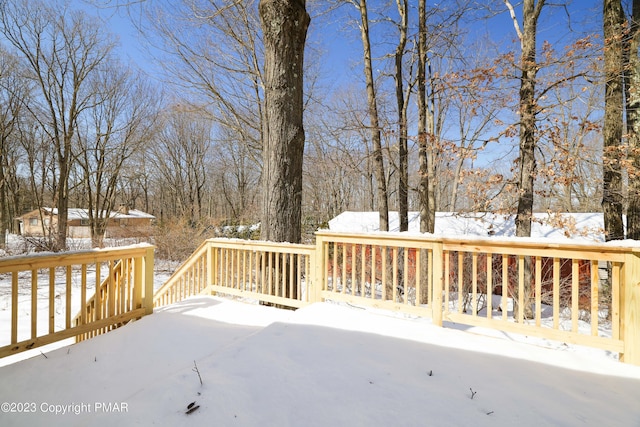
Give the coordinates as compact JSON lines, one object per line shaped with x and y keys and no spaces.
{"x":65,"y":282}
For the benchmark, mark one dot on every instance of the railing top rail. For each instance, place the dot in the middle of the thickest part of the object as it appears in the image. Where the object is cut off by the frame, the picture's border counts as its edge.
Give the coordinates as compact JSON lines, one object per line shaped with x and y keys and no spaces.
{"x":47,"y":260}
{"x":612,"y":251}
{"x":260,"y":245}
{"x":387,"y":238}
{"x":541,"y":249}
{"x":178,"y":271}
{"x":529,"y":242}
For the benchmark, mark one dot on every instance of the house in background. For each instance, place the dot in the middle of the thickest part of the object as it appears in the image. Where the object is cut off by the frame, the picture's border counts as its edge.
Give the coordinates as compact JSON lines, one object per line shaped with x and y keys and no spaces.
{"x":124,"y":222}
{"x":575,"y":227}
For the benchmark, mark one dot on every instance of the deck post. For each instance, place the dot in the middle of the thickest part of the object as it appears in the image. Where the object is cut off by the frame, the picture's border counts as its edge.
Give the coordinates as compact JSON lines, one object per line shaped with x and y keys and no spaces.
{"x":148,"y":280}
{"x":630,"y":308}
{"x":317,"y":277}
{"x":211,"y":267}
{"x":138,"y":283}
{"x":437,"y":280}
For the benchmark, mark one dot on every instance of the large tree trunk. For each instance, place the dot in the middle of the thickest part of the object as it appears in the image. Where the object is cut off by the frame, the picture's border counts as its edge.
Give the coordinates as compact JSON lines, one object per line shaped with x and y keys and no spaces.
{"x":284,"y":25}
{"x":632,"y":88}
{"x":613,"y":26}
{"x":374,"y":124}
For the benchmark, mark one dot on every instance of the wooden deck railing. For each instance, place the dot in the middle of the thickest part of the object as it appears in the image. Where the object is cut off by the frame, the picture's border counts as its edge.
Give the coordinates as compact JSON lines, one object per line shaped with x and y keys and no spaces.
{"x":65,"y":280}
{"x":581,"y":294}
{"x":191,"y":278}
{"x":570,"y":293}
{"x":389,"y":271}
{"x":270,"y":272}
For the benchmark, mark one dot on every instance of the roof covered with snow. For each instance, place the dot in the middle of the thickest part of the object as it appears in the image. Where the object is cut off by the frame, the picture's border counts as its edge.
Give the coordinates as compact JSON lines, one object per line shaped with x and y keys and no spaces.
{"x":588,"y":227}
{"x":77,"y":213}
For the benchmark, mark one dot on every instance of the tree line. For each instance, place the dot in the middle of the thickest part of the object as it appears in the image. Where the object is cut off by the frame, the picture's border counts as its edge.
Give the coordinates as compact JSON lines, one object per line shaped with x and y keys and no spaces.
{"x":436,"y":113}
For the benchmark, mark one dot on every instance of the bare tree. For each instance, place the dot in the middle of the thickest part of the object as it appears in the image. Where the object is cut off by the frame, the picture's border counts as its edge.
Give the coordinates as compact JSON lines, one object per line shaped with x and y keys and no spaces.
{"x":236,"y":177}
{"x":474,"y":106}
{"x":118,"y":123}
{"x":135,"y":181}
{"x":39,"y":159}
{"x":337,"y":176}
{"x":13,"y":92}
{"x":426,"y":131}
{"x":62,"y":49}
{"x":570,"y":172}
{"x":180,"y":155}
{"x":402,"y":102}
{"x":338,"y":162}
{"x":374,"y":120}
{"x":212,"y":56}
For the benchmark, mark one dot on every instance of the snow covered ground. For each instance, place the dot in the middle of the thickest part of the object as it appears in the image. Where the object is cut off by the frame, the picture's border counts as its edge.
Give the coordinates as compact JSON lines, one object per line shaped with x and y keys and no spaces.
{"x":323,"y":365}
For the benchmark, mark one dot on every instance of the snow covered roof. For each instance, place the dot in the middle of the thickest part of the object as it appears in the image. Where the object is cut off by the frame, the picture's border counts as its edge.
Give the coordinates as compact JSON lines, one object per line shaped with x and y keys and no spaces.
{"x":132,"y":213}
{"x":77,"y":213}
{"x":588,"y":227}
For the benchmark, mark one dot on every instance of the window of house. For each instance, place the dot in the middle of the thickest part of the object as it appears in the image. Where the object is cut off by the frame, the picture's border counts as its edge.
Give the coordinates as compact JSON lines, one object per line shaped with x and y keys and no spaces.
{"x":33,"y":221}
{"x":84,"y":221}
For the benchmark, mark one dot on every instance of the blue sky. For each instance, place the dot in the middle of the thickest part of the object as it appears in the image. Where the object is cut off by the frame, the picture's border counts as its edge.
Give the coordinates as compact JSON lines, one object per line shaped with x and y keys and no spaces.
{"x":339,"y":37}
{"x":119,"y":24}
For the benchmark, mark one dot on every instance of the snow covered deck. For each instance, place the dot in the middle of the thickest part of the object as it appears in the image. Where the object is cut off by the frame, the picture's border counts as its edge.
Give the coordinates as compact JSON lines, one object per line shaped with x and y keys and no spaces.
{"x":323,"y":365}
